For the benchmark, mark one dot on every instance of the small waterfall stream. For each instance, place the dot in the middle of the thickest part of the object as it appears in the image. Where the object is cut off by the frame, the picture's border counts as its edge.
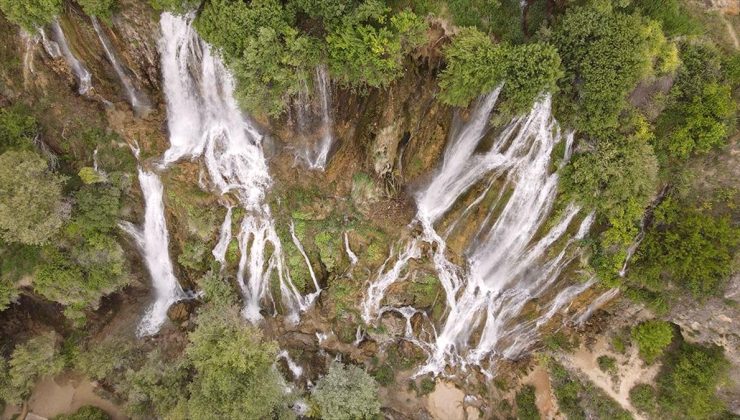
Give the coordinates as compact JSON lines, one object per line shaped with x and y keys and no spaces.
{"x":139,"y":102}
{"x":153,"y":241}
{"x":61,"y":47}
{"x":205,"y":122}
{"x":314,"y":121}
{"x":510,"y":260}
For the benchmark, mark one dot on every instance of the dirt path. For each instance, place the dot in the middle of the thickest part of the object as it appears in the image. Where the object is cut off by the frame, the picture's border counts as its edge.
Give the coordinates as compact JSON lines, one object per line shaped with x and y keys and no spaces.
{"x":631,"y":371}
{"x":65,"y":395}
{"x":731,"y":30}
{"x":539,"y":378}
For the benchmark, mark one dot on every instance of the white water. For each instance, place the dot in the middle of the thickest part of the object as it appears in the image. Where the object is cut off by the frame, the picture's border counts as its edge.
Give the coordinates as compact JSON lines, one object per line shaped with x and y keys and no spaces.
{"x":136,"y":98}
{"x":204,"y":121}
{"x":597,"y":303}
{"x":152,"y":240}
{"x":350,"y":254}
{"x":316,"y":151}
{"x":294,"y":367}
{"x":224,"y":238}
{"x":507,"y":263}
{"x":84,"y":78}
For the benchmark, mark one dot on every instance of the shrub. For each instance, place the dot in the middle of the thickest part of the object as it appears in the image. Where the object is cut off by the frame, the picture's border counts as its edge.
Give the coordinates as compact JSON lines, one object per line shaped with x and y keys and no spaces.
{"x":346,"y":392}
{"x":156,"y":387}
{"x":31,"y":14}
{"x":687,"y":383}
{"x":607,"y":364}
{"x":475,"y":66}
{"x":701,"y":109}
{"x":369,"y":46}
{"x":502,"y":18}
{"x":234,"y":373}
{"x":101,"y":360}
{"x":30,"y":199}
{"x":18,"y":129}
{"x":652,"y":338}
{"x":687,"y":247}
{"x":29,"y":361}
{"x":605,"y":53}
{"x":100,"y":8}
{"x":526,"y":407}
{"x":269,"y":58}
{"x":643,"y":398}
{"x":86,"y":412}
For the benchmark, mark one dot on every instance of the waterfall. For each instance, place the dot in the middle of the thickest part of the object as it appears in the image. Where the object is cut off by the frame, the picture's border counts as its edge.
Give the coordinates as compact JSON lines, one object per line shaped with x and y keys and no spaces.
{"x":205,"y":122}
{"x":312,"y":108}
{"x":152,"y":240}
{"x":138,"y":101}
{"x":62,"y":48}
{"x":513,"y":256}
{"x":224,"y":238}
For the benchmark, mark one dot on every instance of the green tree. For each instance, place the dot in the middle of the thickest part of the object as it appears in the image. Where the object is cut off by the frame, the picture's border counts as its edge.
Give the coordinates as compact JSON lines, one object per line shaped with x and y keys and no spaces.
{"x":99,"y":361}
{"x":643,"y":397}
{"x":687,"y":383}
{"x":156,"y":387}
{"x":29,"y":361}
{"x":701,"y":110}
{"x":234,"y":373}
{"x":687,"y":247}
{"x":100,"y":8}
{"x":270,"y":59}
{"x":346,"y":392}
{"x":369,"y":46}
{"x":605,"y":53}
{"x":526,"y":407}
{"x":475,"y":66}
{"x":31,"y":14}
{"x":652,"y":338}
{"x":617,"y":178}
{"x":502,"y":18}
{"x":31,"y":209}
{"x":86,"y":412}
{"x":17,"y":129}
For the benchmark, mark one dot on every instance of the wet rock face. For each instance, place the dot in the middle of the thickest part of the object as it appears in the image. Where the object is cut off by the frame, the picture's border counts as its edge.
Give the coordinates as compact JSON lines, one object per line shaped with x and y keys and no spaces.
{"x":180,"y":311}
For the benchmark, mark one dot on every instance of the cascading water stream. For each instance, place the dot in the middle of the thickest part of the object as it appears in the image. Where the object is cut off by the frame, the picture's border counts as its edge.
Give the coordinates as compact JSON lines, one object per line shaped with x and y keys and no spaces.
{"x":136,"y":98}
{"x":310,"y":107}
{"x":204,"y":121}
{"x":62,"y":48}
{"x":152,"y":240}
{"x":508,"y":261}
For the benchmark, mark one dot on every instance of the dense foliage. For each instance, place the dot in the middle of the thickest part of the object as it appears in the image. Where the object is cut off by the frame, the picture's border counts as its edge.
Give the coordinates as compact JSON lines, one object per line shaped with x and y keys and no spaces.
{"x":31,"y":14}
{"x":605,"y":53}
{"x":99,"y":8}
{"x":234,"y":372}
{"x":686,"y":247}
{"x":526,"y":408}
{"x":701,"y":109}
{"x":475,"y":65}
{"x":652,"y":338}
{"x":687,"y":385}
{"x":29,"y":361}
{"x":346,"y":392}
{"x":31,"y":208}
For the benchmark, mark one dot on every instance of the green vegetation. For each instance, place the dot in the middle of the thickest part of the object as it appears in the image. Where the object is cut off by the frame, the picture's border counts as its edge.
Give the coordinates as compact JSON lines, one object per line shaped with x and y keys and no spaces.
{"x":30,"y":198}
{"x":346,"y":392}
{"x":102,"y":9}
{"x":101,"y":360}
{"x":643,"y":398}
{"x":607,"y":364}
{"x":605,"y":53}
{"x":526,"y":409}
{"x":476,"y":66}
{"x":18,"y":129}
{"x":86,"y":412}
{"x":234,"y":375}
{"x":579,"y":399}
{"x":686,"y":247}
{"x":652,"y":338}
{"x":687,"y":383}
{"x":31,"y":14}
{"x":156,"y":387}
{"x":29,"y":361}
{"x":369,"y":46}
{"x":501,"y":18}
{"x":701,"y":109}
